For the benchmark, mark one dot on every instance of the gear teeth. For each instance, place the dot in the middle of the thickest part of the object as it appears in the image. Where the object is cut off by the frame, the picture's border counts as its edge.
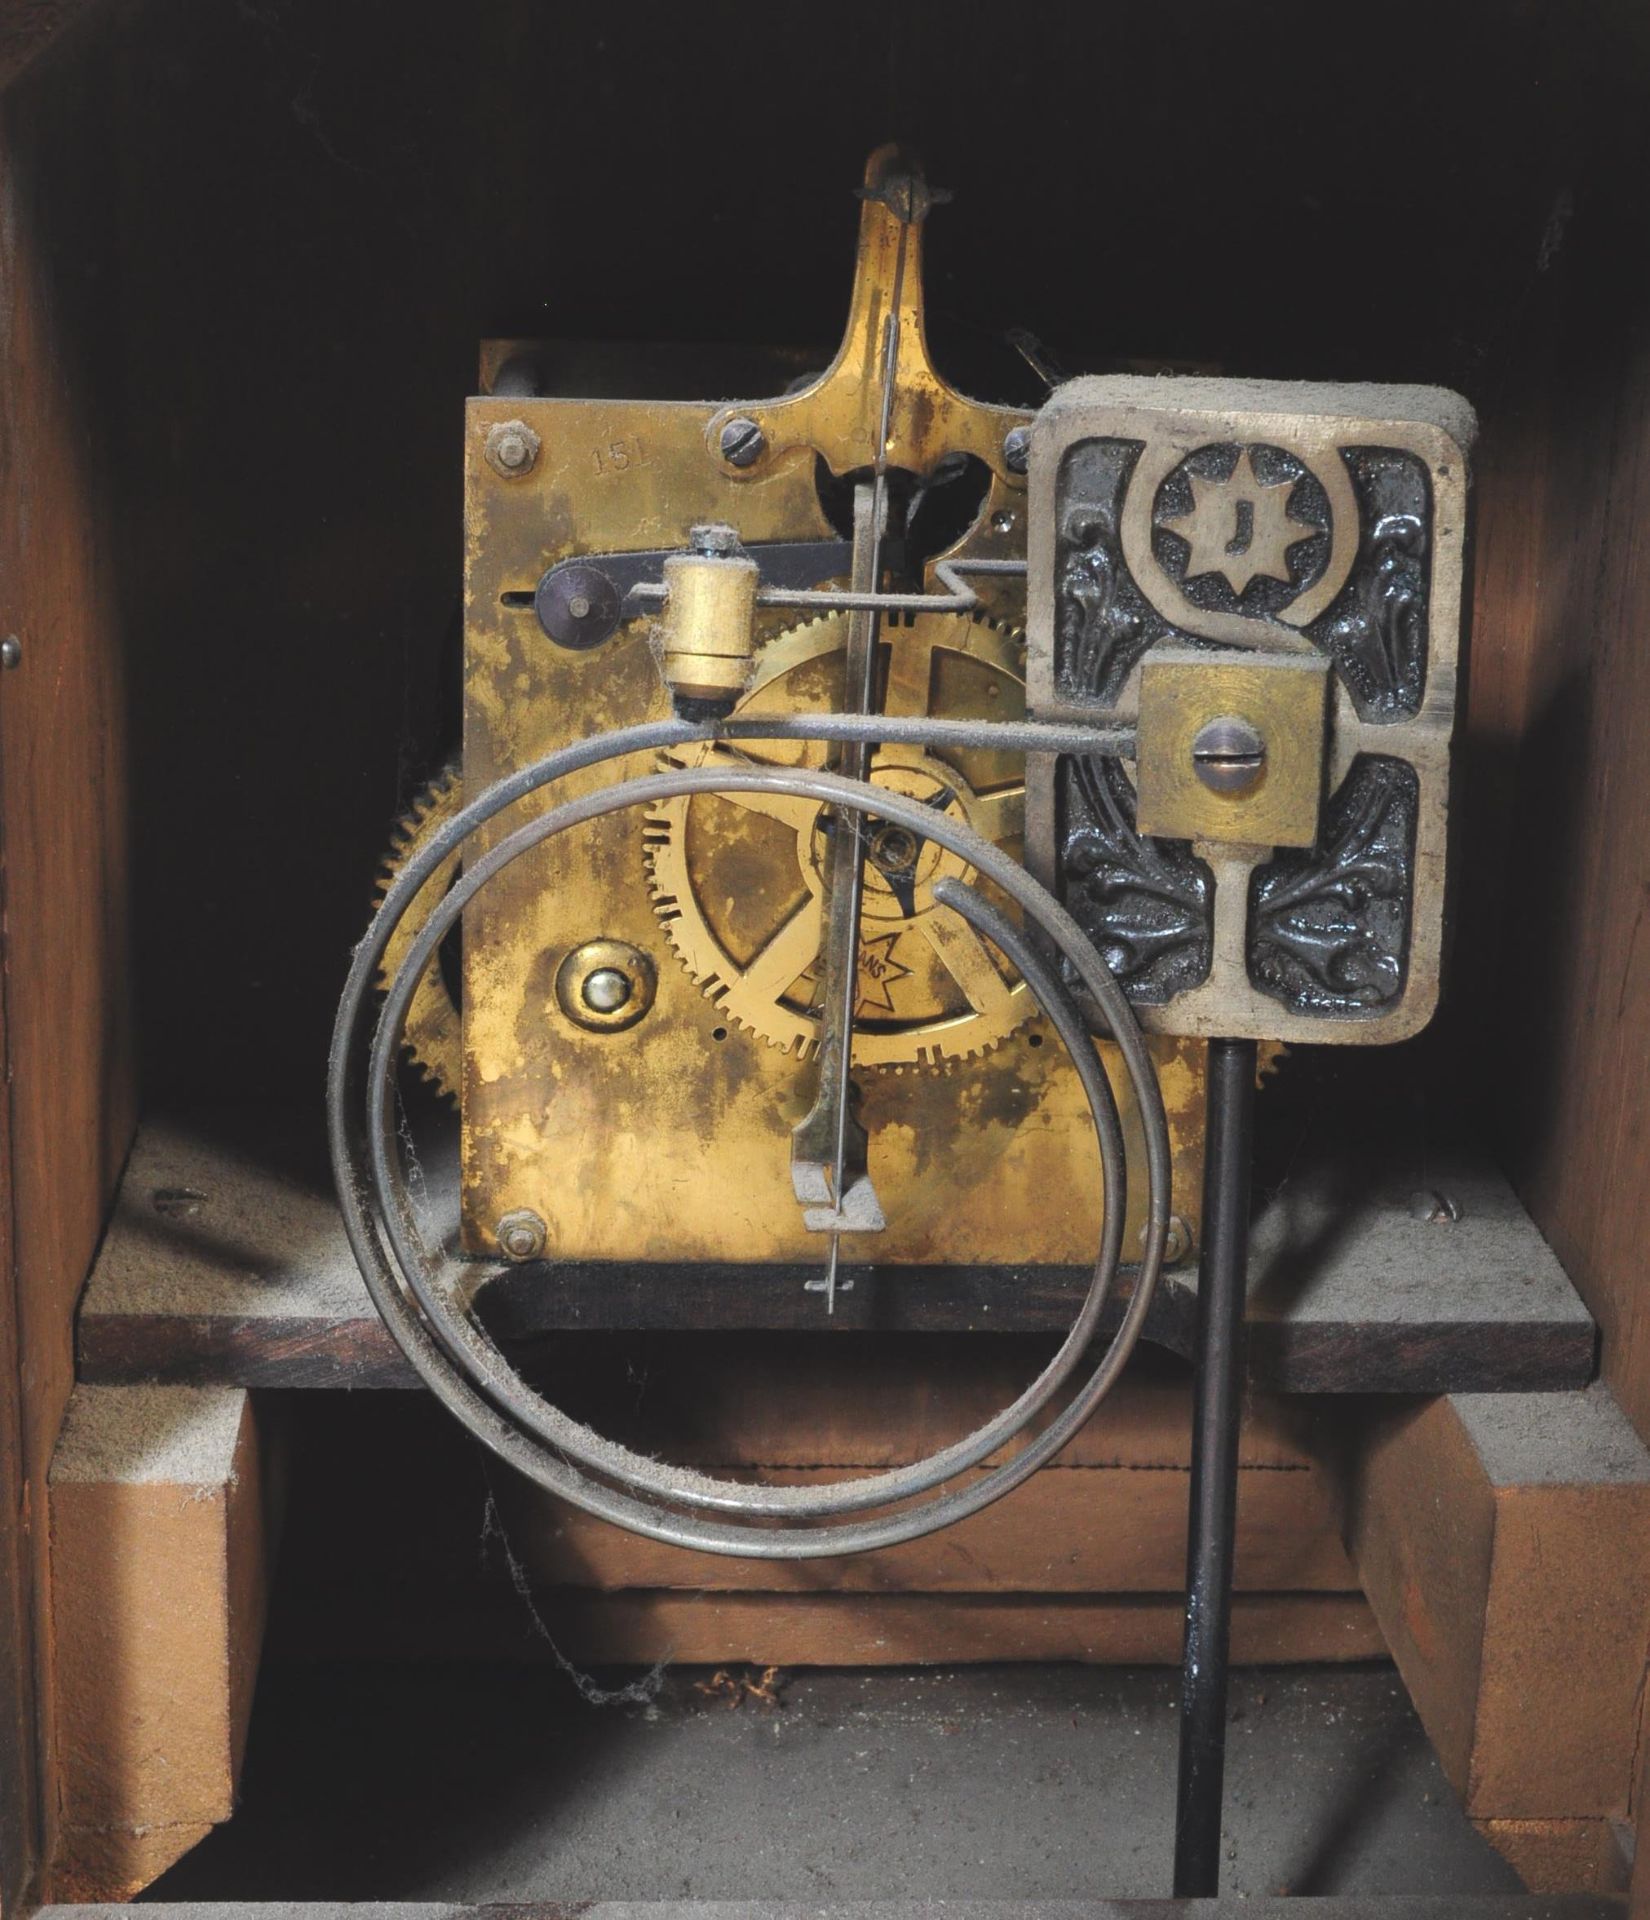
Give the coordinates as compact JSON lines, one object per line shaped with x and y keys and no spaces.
{"x":432,"y":1040}
{"x":679,"y":916}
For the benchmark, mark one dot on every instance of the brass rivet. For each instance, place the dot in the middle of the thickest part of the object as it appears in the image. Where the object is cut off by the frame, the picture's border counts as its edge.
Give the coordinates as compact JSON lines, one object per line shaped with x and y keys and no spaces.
{"x":605,"y":986}
{"x":605,"y":990}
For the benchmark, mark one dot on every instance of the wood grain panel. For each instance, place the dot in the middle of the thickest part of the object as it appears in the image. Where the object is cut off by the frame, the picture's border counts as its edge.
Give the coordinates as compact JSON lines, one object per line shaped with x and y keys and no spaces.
{"x":63,"y":841}
{"x":1558,"y":788}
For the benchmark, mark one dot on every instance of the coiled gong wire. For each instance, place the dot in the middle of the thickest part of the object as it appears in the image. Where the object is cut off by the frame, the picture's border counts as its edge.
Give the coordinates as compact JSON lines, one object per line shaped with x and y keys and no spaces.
{"x":421,"y":1294}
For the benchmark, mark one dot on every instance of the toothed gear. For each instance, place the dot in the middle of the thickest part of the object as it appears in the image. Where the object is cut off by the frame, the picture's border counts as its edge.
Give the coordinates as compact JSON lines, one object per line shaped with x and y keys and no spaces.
{"x":432,"y":1037}
{"x":737,"y":881}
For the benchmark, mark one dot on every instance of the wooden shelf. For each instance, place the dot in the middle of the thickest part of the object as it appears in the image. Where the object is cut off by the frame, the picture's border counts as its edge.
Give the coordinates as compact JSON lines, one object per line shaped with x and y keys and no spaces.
{"x":226,"y":1263}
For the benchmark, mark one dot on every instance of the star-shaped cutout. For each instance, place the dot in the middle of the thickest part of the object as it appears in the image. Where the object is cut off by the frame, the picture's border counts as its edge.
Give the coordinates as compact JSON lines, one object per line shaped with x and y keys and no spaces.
{"x":1240,"y":526}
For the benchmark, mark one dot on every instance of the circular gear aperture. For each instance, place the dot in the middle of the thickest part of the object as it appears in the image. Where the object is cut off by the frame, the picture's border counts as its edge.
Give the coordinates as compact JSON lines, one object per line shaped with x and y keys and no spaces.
{"x":738,"y":883}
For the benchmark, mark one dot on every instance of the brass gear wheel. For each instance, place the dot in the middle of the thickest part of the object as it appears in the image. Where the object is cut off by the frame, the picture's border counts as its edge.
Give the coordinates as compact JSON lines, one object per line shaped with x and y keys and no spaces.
{"x":432,"y":1039}
{"x":737,"y":881}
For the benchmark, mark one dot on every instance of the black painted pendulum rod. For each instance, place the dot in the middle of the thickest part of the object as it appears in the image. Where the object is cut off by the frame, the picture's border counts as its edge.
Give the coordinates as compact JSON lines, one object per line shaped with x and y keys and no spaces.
{"x":1212,"y":1524}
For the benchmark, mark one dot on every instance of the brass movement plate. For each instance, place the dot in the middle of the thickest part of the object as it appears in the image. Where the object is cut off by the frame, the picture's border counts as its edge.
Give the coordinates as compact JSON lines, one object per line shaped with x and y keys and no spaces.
{"x":669,"y":1139}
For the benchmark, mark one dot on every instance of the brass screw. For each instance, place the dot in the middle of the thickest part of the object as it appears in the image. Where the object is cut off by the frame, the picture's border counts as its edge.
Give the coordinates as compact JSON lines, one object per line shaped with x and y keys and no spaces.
{"x":512,"y":448}
{"x":521,"y":1235}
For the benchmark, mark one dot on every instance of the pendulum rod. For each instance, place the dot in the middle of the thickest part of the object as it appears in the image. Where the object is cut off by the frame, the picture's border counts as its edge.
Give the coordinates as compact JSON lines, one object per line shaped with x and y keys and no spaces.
{"x":1212,"y":1521}
{"x":830,"y":1123}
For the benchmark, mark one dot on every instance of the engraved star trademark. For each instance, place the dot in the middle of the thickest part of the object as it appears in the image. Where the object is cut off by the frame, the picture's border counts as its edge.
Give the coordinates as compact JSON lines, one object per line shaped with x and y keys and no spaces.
{"x":1240,"y":526}
{"x":878,"y":970}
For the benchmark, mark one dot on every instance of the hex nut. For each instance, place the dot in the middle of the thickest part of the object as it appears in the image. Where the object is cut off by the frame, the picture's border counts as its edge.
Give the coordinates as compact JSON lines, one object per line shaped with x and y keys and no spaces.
{"x":714,"y":540}
{"x":1177,"y":1246}
{"x":521,"y":1234}
{"x":512,"y":448}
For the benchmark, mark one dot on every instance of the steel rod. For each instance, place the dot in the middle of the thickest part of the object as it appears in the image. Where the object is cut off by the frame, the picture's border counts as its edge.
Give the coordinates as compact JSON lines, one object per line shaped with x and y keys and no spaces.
{"x":830,"y":1134}
{"x":1212,"y":1521}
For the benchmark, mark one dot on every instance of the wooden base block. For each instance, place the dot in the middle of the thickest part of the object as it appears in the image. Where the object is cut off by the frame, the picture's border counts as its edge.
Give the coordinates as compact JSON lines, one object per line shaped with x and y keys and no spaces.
{"x":395,"y":1502}
{"x":909,"y":1629}
{"x":158,"y":1580}
{"x":98,"y":1864}
{"x":1561,"y":1856}
{"x":1108,"y":1517}
{"x":1504,"y":1543}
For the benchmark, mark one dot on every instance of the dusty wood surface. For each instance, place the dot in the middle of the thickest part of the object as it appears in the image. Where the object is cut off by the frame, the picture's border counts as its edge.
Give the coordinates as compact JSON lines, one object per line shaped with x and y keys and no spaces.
{"x":226,"y":1262}
{"x":1504,"y":1543}
{"x":903,"y":1629}
{"x":1563,"y":1856}
{"x":1334,"y":1907}
{"x":159,"y":1589}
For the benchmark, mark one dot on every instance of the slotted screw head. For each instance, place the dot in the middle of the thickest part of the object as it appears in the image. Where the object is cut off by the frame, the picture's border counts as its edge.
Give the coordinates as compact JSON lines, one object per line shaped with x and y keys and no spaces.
{"x":1017,"y":449}
{"x":1229,"y":754}
{"x":742,"y":442}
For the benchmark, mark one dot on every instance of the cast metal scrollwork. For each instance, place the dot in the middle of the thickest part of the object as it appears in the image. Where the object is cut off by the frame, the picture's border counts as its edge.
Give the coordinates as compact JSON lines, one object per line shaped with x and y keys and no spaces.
{"x":1147,"y":904}
{"x":1104,"y":621}
{"x":1376,"y":633}
{"x":1329,"y":926}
